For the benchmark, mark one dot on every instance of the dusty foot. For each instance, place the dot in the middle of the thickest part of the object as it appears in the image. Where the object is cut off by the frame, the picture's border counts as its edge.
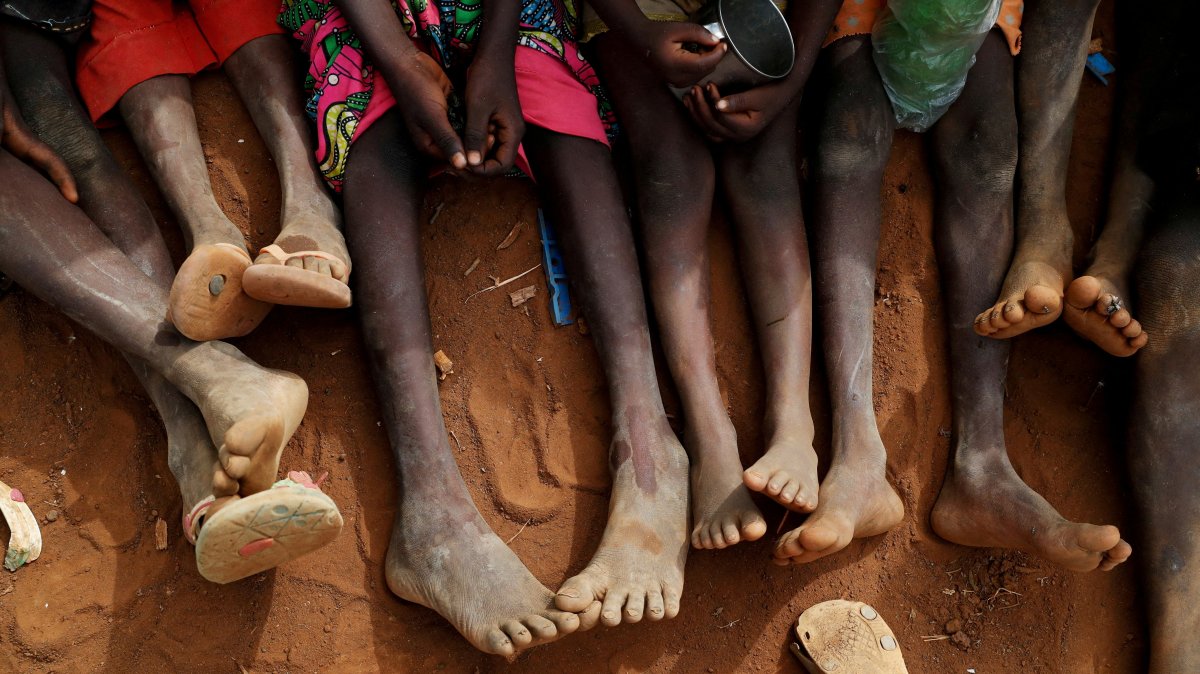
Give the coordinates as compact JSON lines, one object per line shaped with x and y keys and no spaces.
{"x":722,"y":512}
{"x":853,"y":503}
{"x":251,"y":413}
{"x":1030,"y":298}
{"x":989,"y":506}
{"x":454,"y":564}
{"x":787,"y":473}
{"x":1096,"y":310}
{"x":306,"y":280}
{"x":638,"y":569}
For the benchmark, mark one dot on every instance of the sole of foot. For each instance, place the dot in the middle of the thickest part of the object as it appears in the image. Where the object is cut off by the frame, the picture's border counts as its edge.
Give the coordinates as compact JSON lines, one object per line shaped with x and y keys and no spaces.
{"x":787,"y":473}
{"x":1031,"y":298}
{"x":207,"y":300}
{"x":249,"y":535}
{"x":295,"y":271}
{"x":1095,"y":310}
{"x":638,"y":569}
{"x":852,"y":504}
{"x":472,"y":579}
{"x":991,"y":507}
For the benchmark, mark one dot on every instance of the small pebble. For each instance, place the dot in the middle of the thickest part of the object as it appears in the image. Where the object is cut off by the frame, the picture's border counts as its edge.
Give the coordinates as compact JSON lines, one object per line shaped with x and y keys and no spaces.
{"x":51,"y":515}
{"x":341,"y":457}
{"x":328,"y":629}
{"x":154,"y":513}
{"x":954,"y":626}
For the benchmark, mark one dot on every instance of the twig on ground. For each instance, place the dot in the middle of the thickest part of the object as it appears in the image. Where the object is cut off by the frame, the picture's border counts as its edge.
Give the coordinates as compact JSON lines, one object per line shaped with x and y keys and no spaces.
{"x":500,"y":284}
{"x":514,"y":536}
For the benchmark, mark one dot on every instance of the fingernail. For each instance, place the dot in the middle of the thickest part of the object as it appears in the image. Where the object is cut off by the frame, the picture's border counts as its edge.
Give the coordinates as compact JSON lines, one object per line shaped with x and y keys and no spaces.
{"x":721,"y":105}
{"x":458,"y":161}
{"x":474,"y":158}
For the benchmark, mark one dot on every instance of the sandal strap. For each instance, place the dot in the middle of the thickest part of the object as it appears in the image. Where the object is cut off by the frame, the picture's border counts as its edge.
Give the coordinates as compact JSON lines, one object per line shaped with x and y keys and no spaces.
{"x":283,"y":256}
{"x":191,"y":520}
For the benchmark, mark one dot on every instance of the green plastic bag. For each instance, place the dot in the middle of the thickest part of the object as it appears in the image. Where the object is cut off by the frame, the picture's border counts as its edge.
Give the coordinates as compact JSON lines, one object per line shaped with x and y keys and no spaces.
{"x":924,"y":49}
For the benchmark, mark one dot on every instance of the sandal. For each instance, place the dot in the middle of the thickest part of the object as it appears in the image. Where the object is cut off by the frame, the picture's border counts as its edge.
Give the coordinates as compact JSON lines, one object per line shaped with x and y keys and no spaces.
{"x":261,"y":531}
{"x":207,"y":298}
{"x":846,"y":637}
{"x":278,"y":283}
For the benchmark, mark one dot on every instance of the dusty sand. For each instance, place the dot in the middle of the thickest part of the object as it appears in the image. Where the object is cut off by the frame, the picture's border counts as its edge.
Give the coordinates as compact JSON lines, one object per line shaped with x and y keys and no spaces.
{"x":528,"y":410}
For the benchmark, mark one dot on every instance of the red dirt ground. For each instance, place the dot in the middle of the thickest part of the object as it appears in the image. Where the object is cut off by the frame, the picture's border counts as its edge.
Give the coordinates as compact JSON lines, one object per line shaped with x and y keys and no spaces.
{"x":528,"y":410}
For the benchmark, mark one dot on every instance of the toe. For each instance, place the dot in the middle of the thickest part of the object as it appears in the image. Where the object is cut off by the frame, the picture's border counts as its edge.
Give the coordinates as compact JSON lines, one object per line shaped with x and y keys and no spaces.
{"x":498,"y":642}
{"x":1132,"y":330}
{"x":753,"y":526}
{"x":670,"y":601}
{"x":223,"y":483}
{"x":297,"y":262}
{"x":564,"y":623}
{"x":818,"y":538}
{"x":788,"y":493}
{"x":777,"y":482}
{"x":788,"y":546}
{"x":520,"y":635}
{"x":1083,"y":292}
{"x":732,"y":536}
{"x":635,"y":606}
{"x":655,"y":608}
{"x":754,"y":479}
{"x":575,"y":595}
{"x":705,"y":536}
{"x":610,"y":611}
{"x":1041,"y":300}
{"x":234,"y":466}
{"x":541,"y":628}
{"x":1010,"y":313}
{"x":718,"y":536}
{"x":1139,"y":341}
{"x":1120,"y":318}
{"x":589,"y":616}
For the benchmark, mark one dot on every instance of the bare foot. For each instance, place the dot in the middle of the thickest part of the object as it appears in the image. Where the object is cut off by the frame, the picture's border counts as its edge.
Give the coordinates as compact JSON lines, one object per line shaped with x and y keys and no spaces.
{"x":722,"y":512}
{"x":318,"y":279}
{"x":638,"y":568}
{"x":854,"y":502}
{"x":1030,"y":298}
{"x":989,"y":506}
{"x":1096,"y":310}
{"x":251,"y":413}
{"x":787,"y":473}
{"x":454,"y":564}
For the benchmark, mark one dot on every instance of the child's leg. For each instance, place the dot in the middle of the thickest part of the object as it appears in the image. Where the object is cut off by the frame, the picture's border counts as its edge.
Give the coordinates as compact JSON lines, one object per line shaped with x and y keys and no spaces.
{"x":40,"y":81}
{"x":442,"y":554}
{"x":1164,"y":436}
{"x":1054,"y":47}
{"x":263,"y":71}
{"x":674,"y":172}
{"x":854,"y":139}
{"x":638,"y":569}
{"x":762,"y":185}
{"x":983,"y":502}
{"x":50,"y":248}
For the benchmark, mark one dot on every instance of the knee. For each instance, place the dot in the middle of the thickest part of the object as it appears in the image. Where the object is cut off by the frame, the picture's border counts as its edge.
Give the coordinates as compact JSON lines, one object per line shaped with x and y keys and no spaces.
{"x":854,"y":146}
{"x":57,"y":120}
{"x":981,"y":157}
{"x":1168,"y":277}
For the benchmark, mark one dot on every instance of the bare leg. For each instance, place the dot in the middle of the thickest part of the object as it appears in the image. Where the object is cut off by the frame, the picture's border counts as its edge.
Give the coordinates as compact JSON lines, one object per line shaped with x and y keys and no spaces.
{"x":250,"y":411}
{"x":983,"y":501}
{"x":763,"y":189}
{"x":638,"y":569}
{"x":674,"y":170}
{"x":263,"y":72}
{"x":1054,"y":47}
{"x":1164,"y":435}
{"x":854,"y":139}
{"x":442,"y":554}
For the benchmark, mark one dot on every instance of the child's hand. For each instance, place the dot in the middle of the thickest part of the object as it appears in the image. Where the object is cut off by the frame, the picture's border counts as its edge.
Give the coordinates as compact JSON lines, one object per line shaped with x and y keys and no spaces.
{"x":738,"y":117}
{"x":17,"y":138}
{"x":671,"y":47}
{"x":424,"y":87}
{"x":494,"y":122}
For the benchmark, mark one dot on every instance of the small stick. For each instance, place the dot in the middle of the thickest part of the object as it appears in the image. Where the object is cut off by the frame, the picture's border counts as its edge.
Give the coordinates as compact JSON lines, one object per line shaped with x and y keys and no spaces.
{"x":782,"y":521}
{"x":437,"y":210}
{"x":471,"y":268}
{"x":514,"y":536}
{"x":456,"y":442}
{"x":499,"y":284}
{"x":512,"y":236}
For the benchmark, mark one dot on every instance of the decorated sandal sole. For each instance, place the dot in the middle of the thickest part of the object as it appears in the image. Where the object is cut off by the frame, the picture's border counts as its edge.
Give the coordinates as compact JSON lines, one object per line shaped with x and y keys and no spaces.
{"x":207,"y":299}
{"x":264,"y":530}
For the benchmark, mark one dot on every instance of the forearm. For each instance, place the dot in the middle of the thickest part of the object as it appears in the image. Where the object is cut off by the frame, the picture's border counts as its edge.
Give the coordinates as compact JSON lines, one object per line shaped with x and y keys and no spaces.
{"x":500,"y":24}
{"x":621,"y":16}
{"x":810,"y":21}
{"x":381,"y":34}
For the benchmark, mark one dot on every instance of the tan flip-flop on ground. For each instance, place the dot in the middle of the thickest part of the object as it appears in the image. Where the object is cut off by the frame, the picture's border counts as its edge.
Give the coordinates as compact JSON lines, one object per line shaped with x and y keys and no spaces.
{"x":24,"y":535}
{"x":846,"y":637}
{"x":261,"y":531}
{"x":207,"y":298}
{"x":279,"y":283}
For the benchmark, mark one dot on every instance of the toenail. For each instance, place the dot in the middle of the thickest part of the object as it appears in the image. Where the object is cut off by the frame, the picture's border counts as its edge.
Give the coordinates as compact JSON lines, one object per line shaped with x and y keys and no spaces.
{"x":216,"y":285}
{"x":868,"y":612}
{"x":887,"y":642}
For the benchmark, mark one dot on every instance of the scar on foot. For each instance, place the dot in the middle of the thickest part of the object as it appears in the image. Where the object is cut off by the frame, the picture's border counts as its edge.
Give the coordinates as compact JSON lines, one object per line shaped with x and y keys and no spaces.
{"x":1099,"y":315}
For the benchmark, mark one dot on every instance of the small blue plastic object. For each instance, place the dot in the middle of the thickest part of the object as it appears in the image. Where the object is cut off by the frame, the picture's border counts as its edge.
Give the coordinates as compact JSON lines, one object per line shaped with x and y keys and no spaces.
{"x":556,"y":273}
{"x":1100,"y":66}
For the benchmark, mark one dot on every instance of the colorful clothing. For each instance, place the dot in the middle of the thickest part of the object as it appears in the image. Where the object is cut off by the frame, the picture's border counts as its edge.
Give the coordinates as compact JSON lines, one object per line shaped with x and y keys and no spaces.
{"x":554,"y":82}
{"x":857,"y":17}
{"x":131,"y":42}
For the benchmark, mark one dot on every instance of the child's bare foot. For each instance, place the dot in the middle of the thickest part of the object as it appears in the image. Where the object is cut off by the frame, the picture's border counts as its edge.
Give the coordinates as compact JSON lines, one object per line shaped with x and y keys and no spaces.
{"x":308,"y":265}
{"x":854,"y":502}
{"x":251,"y":413}
{"x":1030,"y":298}
{"x":722,"y":512}
{"x":451,"y":562}
{"x":787,"y":473}
{"x":1096,"y":310}
{"x":987,"y":505}
{"x":638,"y":568}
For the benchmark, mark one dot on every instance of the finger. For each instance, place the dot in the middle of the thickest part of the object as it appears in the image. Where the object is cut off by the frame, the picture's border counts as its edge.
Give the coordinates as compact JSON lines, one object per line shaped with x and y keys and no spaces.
{"x":476,"y":132}
{"x":694,"y":32}
{"x":440,"y":141}
{"x":703,"y":112}
{"x":703,"y":63}
{"x":21,"y":142}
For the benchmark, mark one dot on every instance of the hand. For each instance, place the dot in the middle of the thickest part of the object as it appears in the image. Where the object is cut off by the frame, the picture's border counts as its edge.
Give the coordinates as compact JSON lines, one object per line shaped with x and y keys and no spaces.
{"x":424,"y":87}
{"x":671,"y":47}
{"x":738,"y":117}
{"x":17,"y":138}
{"x":494,"y":122}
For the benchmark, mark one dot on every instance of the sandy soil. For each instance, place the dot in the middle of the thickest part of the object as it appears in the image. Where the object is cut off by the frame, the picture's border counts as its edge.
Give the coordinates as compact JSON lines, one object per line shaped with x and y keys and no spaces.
{"x":528,"y":411}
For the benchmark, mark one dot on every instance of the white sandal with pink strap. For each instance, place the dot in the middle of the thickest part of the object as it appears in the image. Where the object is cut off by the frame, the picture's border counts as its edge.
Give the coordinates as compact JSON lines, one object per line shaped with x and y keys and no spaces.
{"x":279,"y":283}
{"x":261,"y":531}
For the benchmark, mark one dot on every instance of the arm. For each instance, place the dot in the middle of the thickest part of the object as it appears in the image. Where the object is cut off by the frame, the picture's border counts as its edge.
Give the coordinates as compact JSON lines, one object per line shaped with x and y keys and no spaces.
{"x":494,"y":122}
{"x":16,"y":137}
{"x":409,"y":72}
